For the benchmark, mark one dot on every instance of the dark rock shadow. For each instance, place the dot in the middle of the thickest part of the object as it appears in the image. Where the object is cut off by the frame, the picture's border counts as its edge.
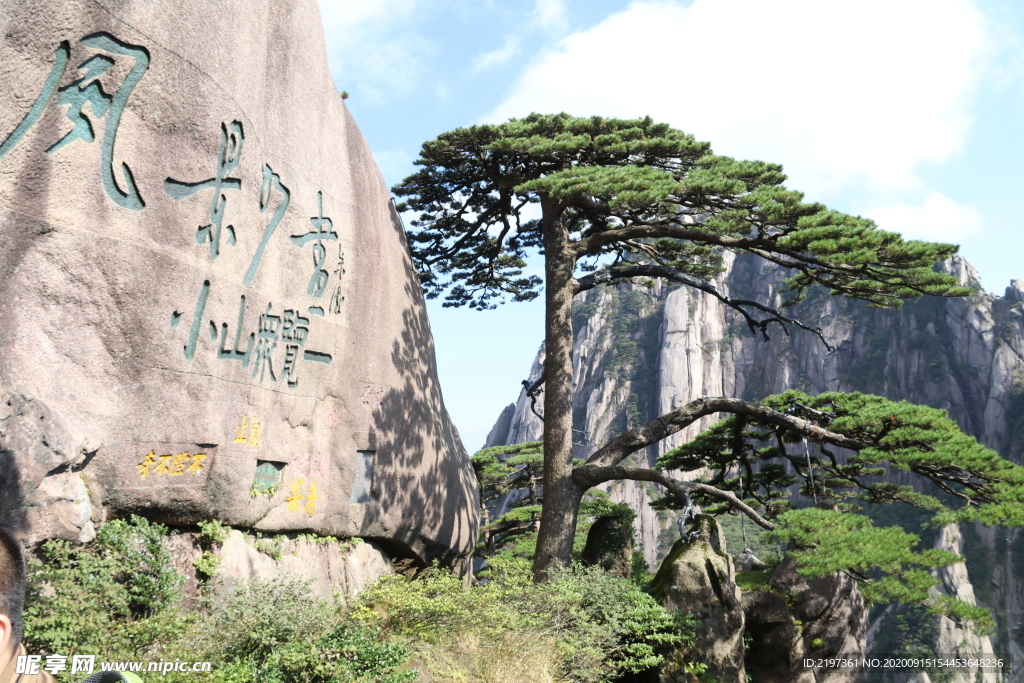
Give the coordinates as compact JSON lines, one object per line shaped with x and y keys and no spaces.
{"x":422,"y":466}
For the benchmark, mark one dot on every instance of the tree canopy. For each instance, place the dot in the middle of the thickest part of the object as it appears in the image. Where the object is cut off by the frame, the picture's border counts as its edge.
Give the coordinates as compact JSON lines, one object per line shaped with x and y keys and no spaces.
{"x":637,"y":199}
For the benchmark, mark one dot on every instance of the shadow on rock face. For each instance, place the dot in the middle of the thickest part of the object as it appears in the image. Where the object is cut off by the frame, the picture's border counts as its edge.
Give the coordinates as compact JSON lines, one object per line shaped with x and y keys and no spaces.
{"x":423,"y":466}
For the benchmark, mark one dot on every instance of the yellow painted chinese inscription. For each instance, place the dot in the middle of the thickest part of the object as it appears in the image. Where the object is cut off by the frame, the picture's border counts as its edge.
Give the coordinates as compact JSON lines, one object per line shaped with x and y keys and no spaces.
{"x":310,"y":496}
{"x":170,"y":464}
{"x":248,"y":432}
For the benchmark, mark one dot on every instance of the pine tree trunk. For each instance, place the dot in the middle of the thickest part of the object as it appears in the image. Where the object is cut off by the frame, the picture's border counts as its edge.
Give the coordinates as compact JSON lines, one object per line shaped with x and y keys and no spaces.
{"x":562,"y":495}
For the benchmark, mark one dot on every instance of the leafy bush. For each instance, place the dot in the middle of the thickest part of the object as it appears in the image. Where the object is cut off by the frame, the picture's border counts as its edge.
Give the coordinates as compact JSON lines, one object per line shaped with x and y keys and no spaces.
{"x":279,"y":632}
{"x":600,"y":626}
{"x":118,"y":594}
{"x":212,"y":533}
{"x":271,"y":547}
{"x":582,"y":625}
{"x":206,"y":564}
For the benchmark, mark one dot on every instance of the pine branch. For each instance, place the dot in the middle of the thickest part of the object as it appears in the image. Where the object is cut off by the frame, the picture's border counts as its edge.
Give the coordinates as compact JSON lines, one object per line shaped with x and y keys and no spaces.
{"x":589,"y":476}
{"x":615,"y":273}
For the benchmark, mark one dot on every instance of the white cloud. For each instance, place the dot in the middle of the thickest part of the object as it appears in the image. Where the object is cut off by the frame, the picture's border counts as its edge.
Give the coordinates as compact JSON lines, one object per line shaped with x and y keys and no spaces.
{"x":937,"y":219}
{"x":371,"y":48}
{"x":845,"y":95}
{"x":497,"y":57}
{"x":548,"y":13}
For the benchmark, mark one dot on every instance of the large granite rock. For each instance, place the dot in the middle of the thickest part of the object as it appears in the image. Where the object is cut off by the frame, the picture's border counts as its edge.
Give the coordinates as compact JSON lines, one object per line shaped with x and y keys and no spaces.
{"x":697,"y":577}
{"x":795,"y":619}
{"x":610,"y":546}
{"x":959,"y":640}
{"x":205,"y":284}
{"x":334,"y":569}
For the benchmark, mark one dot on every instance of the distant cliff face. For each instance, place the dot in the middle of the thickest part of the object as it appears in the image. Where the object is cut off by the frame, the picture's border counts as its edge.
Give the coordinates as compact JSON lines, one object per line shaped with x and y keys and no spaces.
{"x":640,"y":353}
{"x":207,"y":304}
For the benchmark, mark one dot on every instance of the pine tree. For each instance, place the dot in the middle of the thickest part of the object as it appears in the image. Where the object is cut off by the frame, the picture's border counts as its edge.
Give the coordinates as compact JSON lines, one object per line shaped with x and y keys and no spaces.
{"x":610,"y":200}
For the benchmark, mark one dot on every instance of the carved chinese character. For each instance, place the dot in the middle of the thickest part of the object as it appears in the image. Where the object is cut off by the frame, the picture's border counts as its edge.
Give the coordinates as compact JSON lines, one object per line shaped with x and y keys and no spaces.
{"x":87,"y":89}
{"x":144,"y":466}
{"x":196,"y":468}
{"x":254,"y":435}
{"x":294,"y":331}
{"x":270,"y":187}
{"x":164,"y":466}
{"x":178,"y":464}
{"x":337,"y":297}
{"x":267,"y":338}
{"x":295,"y":500}
{"x":294,"y":334}
{"x":223,"y":353}
{"x":228,"y":159}
{"x":249,"y":432}
{"x":311,"y":497}
{"x":321,"y":231}
{"x":242,"y":430}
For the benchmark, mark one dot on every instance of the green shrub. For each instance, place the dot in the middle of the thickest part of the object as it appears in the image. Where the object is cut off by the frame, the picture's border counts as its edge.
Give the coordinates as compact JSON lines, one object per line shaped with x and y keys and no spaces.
{"x":206,"y":565}
{"x":270,"y":547}
{"x":278,"y":632}
{"x":212,"y":533}
{"x":602,"y":626}
{"x":116,"y":595}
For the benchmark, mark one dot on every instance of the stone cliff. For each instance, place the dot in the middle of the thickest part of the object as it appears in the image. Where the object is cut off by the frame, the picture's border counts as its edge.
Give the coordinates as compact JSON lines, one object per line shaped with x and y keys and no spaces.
{"x":208,"y":308}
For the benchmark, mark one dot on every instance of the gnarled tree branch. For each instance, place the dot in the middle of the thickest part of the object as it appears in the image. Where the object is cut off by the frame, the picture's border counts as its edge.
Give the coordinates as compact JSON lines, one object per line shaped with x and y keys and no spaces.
{"x":683,"y":416}
{"x":590,"y":475}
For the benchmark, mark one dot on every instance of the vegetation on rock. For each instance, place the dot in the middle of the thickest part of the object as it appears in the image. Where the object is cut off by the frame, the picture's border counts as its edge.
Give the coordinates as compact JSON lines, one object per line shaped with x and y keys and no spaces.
{"x":420,"y":625}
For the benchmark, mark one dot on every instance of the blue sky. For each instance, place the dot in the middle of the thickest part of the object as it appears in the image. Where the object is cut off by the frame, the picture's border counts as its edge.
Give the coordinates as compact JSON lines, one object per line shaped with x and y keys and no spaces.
{"x":905,"y":111}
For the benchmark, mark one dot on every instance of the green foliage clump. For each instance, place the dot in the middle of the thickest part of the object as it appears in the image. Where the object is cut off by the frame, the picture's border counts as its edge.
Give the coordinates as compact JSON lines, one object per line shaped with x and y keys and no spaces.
{"x":117,"y":594}
{"x":503,"y":469}
{"x":827,"y":541}
{"x":271,"y":547}
{"x":279,"y":632}
{"x":212,"y":533}
{"x":275,"y":632}
{"x":206,"y":565}
{"x":600,"y":626}
{"x":638,"y":189}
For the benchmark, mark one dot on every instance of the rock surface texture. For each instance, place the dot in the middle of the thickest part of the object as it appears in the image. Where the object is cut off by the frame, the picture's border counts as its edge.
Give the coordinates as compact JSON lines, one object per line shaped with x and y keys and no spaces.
{"x":610,"y":546}
{"x":697,"y":577}
{"x":955,"y":640}
{"x":796,"y":618}
{"x":332,"y":568}
{"x":208,"y":309}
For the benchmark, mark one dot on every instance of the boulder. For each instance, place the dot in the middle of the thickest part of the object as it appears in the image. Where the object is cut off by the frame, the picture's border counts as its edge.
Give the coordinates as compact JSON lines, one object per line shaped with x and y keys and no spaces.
{"x":610,"y":546}
{"x":747,"y":561}
{"x":697,"y":577}
{"x":797,"y":618}
{"x":333,"y":568}
{"x":205,"y":283}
